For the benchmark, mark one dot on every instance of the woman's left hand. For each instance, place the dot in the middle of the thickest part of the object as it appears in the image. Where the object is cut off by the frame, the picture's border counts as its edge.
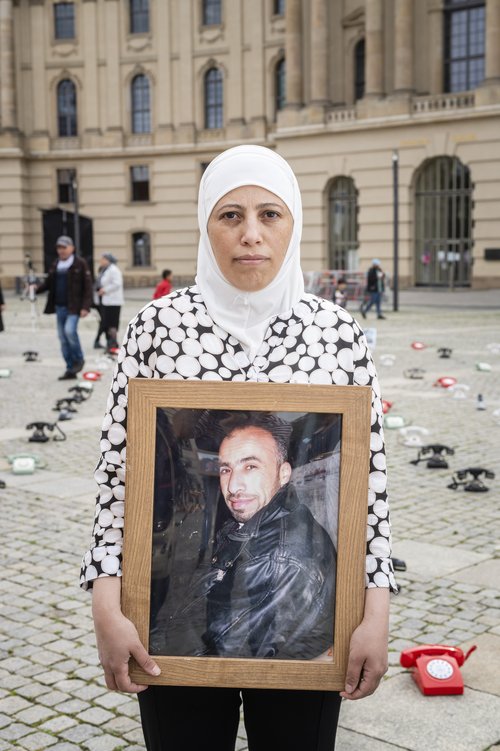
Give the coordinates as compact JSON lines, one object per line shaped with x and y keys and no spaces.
{"x":368,"y":647}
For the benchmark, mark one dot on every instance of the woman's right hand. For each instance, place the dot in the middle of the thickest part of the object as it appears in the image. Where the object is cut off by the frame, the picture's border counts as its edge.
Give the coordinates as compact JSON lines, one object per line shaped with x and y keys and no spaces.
{"x":117,"y":638}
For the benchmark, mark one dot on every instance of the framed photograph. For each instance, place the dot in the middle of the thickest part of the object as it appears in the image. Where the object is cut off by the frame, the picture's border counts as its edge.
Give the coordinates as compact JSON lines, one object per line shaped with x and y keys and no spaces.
{"x":245,"y":530}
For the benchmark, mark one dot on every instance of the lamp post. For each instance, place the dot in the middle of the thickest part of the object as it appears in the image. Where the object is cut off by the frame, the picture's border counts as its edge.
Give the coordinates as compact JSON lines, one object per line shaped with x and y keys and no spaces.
{"x":395,"y":222}
{"x":74,"y":186}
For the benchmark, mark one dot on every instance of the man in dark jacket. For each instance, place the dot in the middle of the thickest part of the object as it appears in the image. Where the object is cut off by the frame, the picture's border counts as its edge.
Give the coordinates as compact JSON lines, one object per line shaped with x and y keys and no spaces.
{"x":270,"y":590}
{"x":69,"y":284}
{"x":375,"y":286}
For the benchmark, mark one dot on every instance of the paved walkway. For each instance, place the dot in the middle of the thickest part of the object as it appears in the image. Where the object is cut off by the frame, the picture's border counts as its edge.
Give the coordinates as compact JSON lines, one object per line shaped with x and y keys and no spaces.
{"x":51,"y":690}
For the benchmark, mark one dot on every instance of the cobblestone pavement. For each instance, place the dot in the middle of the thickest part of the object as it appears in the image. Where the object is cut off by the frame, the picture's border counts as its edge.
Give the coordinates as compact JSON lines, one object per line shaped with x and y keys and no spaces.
{"x":52,"y":694}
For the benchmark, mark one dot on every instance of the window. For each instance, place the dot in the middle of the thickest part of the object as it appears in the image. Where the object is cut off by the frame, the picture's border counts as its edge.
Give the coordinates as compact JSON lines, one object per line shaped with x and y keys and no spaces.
{"x":359,"y":70}
{"x":279,"y":7}
{"x":141,"y":249}
{"x":139,"y":183}
{"x":464,"y":44}
{"x":212,"y":12}
{"x":343,"y":224}
{"x":141,"y":108}
{"x":66,"y":108}
{"x":65,"y":179}
{"x":443,"y":223}
{"x":214,"y":116}
{"x":139,"y":16}
{"x":280,"y":85}
{"x":64,"y":21}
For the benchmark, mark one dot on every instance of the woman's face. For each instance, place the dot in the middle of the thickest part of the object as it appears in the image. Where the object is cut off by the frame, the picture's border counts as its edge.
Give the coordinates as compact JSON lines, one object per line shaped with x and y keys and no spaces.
{"x":249,"y":231}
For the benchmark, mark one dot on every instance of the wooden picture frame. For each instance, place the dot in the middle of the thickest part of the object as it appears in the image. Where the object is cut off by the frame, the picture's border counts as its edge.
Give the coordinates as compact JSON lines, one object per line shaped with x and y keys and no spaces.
{"x":187,"y":403}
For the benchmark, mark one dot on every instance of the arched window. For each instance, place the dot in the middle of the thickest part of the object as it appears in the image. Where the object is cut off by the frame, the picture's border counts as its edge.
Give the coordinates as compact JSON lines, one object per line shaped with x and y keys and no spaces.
{"x":139,"y":16}
{"x":141,"y":107}
{"x":66,"y":108}
{"x":214,"y":115}
{"x":464,"y":44}
{"x":443,"y":223}
{"x":212,"y":12}
{"x":279,"y":85}
{"x":343,"y":224}
{"x":141,"y":249}
{"x":359,"y":70}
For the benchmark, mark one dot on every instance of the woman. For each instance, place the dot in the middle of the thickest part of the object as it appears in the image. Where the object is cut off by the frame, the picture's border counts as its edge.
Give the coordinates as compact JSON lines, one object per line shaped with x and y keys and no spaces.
{"x":247,"y":318}
{"x":111,"y":296}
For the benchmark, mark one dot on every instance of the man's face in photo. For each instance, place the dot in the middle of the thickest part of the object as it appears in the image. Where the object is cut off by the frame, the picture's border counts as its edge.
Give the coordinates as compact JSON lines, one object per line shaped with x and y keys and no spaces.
{"x":251,"y":471}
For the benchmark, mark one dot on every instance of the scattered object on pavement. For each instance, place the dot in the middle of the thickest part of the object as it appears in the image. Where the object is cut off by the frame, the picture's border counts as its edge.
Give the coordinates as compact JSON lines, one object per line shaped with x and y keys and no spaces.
{"x":459,"y":390}
{"x":2,"y":484}
{"x":371,"y":337}
{"x":496,"y":415}
{"x":418,"y":345}
{"x":399,"y":564}
{"x":25,"y":464}
{"x":413,"y":436}
{"x":414,"y":373}
{"x":480,"y":404}
{"x":445,"y":352}
{"x":39,"y":435}
{"x":92,"y":375}
{"x":387,"y":360}
{"x":5,"y":373}
{"x":494,"y":348}
{"x":394,"y":421}
{"x":30,"y":356}
{"x":485,"y":367}
{"x":113,"y":351}
{"x":81,"y":394}
{"x":445,"y":382}
{"x":386,"y":406}
{"x":84,"y":386}
{"x":64,"y":415}
{"x":436,"y":460}
{"x":476,"y":485}
{"x":436,"y":668}
{"x":66,"y":404}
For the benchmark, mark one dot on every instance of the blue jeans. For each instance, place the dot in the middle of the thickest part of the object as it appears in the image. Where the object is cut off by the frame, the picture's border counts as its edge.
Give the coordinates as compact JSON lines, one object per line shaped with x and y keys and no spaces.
{"x":67,"y":328}
{"x":375,"y":299}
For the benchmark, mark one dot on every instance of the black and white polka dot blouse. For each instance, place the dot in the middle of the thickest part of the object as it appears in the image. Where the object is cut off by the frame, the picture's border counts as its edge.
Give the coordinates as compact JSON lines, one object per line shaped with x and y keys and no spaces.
{"x":175,"y":338}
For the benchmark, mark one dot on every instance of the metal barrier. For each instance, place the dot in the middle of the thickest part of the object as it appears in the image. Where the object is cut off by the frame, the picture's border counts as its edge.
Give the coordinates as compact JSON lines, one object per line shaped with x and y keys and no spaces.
{"x":323,"y":283}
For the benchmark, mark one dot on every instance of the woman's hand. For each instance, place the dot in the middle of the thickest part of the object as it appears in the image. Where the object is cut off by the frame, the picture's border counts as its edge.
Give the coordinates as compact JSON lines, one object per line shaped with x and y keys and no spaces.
{"x":117,"y":638}
{"x":368,"y":647}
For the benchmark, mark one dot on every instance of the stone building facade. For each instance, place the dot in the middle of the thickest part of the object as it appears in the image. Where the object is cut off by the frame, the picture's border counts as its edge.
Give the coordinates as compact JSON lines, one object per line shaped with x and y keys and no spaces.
{"x":121,"y":103}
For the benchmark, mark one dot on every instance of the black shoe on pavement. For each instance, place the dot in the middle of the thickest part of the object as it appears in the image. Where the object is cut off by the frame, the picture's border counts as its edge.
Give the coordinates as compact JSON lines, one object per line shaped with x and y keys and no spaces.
{"x":67,"y":376}
{"x":381,"y":317}
{"x":98,"y":345}
{"x":363,"y":313}
{"x":77,"y":367}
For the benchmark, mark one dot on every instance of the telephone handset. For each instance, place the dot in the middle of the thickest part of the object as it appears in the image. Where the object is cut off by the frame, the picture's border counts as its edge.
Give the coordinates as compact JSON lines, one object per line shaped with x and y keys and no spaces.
{"x":436,"y":668}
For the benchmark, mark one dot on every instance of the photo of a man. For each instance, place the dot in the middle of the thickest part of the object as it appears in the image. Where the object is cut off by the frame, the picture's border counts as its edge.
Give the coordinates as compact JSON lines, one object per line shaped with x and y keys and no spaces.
{"x":268,"y":590}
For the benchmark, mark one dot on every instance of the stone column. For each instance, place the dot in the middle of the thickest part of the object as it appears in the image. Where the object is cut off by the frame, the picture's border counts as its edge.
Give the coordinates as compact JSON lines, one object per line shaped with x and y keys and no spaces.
{"x":234,"y":85}
{"x":374,"y":49}
{"x":435,"y":47}
{"x":492,"y":42}
{"x":113,"y":82}
{"x":185,"y":81}
{"x":40,"y":94}
{"x":403,"y":52}
{"x":319,"y":53}
{"x":163,"y":93}
{"x":254,"y":68}
{"x":293,"y":54}
{"x":90,"y":55}
{"x":7,"y":75}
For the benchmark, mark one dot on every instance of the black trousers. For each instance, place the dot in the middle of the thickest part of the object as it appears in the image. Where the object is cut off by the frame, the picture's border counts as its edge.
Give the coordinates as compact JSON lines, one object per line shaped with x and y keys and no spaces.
{"x":201,"y":719}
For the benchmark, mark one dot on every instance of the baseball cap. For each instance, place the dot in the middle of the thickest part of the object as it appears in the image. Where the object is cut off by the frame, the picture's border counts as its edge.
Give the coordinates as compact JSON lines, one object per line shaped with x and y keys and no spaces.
{"x":65,"y":241}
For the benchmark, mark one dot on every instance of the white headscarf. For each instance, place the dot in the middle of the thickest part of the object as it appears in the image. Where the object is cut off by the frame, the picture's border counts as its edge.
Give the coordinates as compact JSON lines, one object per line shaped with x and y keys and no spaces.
{"x":246,"y":315}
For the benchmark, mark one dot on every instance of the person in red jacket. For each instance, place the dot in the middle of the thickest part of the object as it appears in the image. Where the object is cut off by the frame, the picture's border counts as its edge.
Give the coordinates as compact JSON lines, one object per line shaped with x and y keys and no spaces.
{"x":165,"y":286}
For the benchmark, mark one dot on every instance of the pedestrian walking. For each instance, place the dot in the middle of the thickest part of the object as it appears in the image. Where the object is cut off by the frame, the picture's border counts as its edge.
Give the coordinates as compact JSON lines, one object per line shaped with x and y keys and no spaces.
{"x":111,"y":296}
{"x":165,"y":286}
{"x":375,"y":286}
{"x":97,"y":305}
{"x":69,"y":287}
{"x":249,"y":284}
{"x":340,"y":294}
{"x":2,"y":308}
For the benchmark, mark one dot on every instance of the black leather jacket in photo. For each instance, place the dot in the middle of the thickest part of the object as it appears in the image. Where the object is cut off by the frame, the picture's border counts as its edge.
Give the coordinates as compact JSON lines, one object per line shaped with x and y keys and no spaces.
{"x":270,"y":590}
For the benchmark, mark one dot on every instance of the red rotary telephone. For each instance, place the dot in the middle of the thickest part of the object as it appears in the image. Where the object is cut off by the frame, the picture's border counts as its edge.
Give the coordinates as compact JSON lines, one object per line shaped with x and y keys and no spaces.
{"x":436,"y":668}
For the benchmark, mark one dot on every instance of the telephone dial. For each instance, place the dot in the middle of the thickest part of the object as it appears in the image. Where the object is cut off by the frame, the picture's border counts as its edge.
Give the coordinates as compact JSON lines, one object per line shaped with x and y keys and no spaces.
{"x":30,"y":356}
{"x":474,"y":485}
{"x":444,"y":352}
{"x":436,"y":668}
{"x":39,"y":435}
{"x":414,"y":373}
{"x":436,"y":460}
